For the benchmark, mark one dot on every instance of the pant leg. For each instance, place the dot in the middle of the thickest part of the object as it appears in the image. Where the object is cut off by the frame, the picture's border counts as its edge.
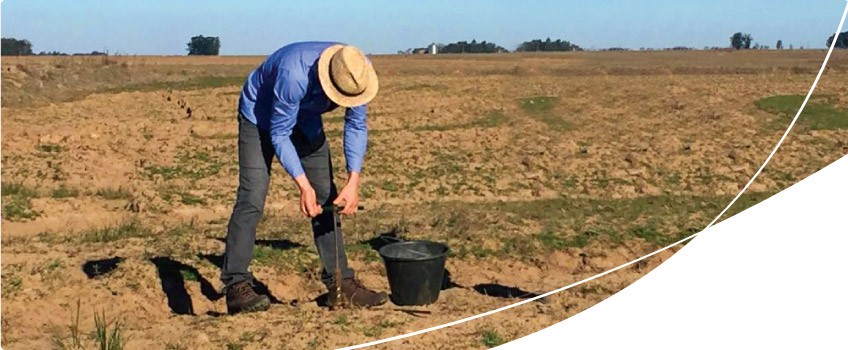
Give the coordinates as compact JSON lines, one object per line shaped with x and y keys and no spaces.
{"x":318,"y":167}
{"x":255,"y":155}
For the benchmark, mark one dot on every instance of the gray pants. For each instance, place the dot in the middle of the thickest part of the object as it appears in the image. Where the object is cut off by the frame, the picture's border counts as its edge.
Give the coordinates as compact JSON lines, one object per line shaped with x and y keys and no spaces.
{"x":256,"y":153}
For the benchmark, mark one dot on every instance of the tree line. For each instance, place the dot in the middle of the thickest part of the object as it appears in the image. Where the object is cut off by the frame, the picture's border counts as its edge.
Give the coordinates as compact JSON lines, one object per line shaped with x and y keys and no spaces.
{"x":537,"y":45}
{"x":841,"y":41}
{"x":197,"y":45}
{"x":211,"y":45}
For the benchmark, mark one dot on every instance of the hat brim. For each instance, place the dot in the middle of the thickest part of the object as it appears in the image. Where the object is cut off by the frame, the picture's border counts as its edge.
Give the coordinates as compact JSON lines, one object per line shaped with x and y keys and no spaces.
{"x":339,"y":97}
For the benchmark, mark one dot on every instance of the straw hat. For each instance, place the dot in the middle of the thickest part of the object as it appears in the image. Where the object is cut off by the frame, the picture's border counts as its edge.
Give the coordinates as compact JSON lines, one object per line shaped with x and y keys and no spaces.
{"x":346,"y":76}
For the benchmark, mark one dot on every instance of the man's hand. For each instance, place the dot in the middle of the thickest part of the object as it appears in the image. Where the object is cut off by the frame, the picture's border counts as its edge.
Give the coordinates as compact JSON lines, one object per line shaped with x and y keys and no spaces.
{"x":308,"y":201}
{"x":349,"y":195}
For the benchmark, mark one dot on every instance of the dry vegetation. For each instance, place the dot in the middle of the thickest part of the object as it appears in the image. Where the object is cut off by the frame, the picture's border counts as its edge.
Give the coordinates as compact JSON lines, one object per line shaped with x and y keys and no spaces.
{"x":537,"y":171}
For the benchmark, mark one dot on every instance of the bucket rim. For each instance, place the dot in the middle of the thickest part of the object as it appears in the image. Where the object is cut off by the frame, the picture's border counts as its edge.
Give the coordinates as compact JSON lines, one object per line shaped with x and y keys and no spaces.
{"x":444,"y":253}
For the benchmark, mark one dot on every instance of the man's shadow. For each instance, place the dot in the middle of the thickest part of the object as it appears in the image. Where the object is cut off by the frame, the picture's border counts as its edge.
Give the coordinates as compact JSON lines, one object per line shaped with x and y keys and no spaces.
{"x":173,"y":276}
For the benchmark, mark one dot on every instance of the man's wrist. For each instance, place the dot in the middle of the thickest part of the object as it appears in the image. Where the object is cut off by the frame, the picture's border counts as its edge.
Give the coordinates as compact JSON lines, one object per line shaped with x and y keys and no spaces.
{"x":353,"y":178}
{"x":302,"y":182}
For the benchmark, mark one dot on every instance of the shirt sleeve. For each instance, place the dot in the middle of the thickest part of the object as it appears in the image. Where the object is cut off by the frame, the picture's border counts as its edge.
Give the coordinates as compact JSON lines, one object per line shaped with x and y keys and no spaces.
{"x":355,"y":138}
{"x":289,"y":90}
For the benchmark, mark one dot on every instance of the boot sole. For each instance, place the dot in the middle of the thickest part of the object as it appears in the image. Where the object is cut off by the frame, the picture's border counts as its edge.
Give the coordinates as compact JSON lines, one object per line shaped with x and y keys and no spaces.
{"x":261,"y":305}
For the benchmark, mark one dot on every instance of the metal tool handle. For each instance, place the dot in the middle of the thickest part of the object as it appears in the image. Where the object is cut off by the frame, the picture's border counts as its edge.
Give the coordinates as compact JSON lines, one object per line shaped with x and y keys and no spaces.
{"x":331,"y":207}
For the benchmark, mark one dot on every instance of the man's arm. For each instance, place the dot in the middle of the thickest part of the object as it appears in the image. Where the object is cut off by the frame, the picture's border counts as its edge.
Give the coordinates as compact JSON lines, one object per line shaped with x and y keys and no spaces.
{"x":355,"y":138}
{"x":289,"y":90}
{"x":355,"y":145}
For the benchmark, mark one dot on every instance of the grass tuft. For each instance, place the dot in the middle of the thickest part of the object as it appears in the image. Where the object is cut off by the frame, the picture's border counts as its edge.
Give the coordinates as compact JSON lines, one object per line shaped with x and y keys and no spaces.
{"x":113,"y":193}
{"x":50,"y":148}
{"x":194,"y":166}
{"x":129,"y":229}
{"x":65,"y":192}
{"x":18,"y":189}
{"x":105,"y":338}
{"x":491,"y":338}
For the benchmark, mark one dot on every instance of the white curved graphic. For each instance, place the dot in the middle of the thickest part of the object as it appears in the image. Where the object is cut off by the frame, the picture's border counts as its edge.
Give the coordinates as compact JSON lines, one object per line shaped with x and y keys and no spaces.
{"x":529,"y":300}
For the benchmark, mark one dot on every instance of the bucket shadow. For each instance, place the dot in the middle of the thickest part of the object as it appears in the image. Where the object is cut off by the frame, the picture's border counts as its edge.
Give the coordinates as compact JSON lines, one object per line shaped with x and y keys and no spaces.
{"x":382,"y":240}
{"x":101,"y":267}
{"x":447,"y":281}
{"x":173,"y":275}
{"x":501,"y":291}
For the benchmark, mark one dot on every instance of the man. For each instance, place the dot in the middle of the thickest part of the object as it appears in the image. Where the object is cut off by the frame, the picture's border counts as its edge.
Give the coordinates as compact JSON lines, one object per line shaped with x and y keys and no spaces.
{"x":280,"y":115}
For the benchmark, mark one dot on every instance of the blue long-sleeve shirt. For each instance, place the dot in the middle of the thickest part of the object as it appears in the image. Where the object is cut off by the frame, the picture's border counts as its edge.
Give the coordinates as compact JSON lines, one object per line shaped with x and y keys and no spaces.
{"x":284,"y":93}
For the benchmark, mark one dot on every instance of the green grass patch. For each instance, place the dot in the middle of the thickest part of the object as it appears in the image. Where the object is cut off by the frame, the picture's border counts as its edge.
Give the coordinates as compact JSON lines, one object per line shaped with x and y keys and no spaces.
{"x":190,"y":199}
{"x":11,"y":284}
{"x":491,"y":338}
{"x":113,"y":193}
{"x":50,"y":148}
{"x":363,"y":251}
{"x":19,"y":208}
{"x":573,"y":223}
{"x":297,"y":258}
{"x":818,"y":114}
{"x":492,"y":119}
{"x":18,"y":189}
{"x":125,"y":230}
{"x":65,"y":192}
{"x":542,"y":108}
{"x":193,"y":166}
{"x":190,"y":274}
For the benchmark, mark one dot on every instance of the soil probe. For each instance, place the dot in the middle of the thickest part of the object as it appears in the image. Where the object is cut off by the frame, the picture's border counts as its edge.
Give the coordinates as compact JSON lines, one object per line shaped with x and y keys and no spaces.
{"x":337,"y":274}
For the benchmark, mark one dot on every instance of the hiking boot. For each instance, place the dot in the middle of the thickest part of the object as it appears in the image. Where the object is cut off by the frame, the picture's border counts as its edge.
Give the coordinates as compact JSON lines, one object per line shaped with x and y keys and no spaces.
{"x":354,"y":293}
{"x":242,"y":298}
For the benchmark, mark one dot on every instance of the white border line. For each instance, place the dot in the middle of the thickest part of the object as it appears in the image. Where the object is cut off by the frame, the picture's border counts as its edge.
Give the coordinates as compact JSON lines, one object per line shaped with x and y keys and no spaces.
{"x":525,"y":301}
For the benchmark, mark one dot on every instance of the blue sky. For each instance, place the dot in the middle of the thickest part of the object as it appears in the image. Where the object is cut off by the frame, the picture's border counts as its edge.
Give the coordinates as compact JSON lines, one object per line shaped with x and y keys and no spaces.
{"x":259,"y":27}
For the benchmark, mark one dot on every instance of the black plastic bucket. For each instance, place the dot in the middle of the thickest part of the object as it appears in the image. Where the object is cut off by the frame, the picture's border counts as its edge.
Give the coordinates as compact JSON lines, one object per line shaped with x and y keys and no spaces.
{"x":415,"y":270}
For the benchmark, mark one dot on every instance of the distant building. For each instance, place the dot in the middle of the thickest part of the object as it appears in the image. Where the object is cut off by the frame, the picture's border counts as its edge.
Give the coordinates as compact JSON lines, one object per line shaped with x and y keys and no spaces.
{"x":433,"y":49}
{"x":420,"y":51}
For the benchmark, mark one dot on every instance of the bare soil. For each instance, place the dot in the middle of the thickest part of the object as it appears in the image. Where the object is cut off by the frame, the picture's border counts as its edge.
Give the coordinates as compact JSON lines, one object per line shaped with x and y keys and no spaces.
{"x":537,"y":171}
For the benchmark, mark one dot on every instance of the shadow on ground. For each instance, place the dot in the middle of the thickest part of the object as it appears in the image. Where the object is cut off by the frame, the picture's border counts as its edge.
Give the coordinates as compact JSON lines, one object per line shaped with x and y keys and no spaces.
{"x":101,"y":267}
{"x":502,"y":291}
{"x":173,"y":276}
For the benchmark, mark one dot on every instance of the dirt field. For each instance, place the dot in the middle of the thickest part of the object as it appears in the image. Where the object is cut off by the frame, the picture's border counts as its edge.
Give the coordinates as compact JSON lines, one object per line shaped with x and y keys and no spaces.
{"x":537,"y":171}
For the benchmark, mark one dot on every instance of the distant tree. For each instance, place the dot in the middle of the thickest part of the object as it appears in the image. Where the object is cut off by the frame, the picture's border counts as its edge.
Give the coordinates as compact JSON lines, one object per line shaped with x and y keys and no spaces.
{"x":547,"y":45}
{"x":52,"y":53}
{"x":791,"y":47}
{"x":207,"y":46}
{"x":15,"y":47}
{"x":472,"y":47}
{"x":741,"y":41}
{"x":746,"y":41}
{"x":841,"y":42}
{"x":779,"y":45}
{"x":736,"y":41}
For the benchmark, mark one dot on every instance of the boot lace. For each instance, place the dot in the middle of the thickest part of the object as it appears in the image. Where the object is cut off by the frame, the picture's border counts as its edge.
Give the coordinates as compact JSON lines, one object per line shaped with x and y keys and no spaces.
{"x":243,"y":291}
